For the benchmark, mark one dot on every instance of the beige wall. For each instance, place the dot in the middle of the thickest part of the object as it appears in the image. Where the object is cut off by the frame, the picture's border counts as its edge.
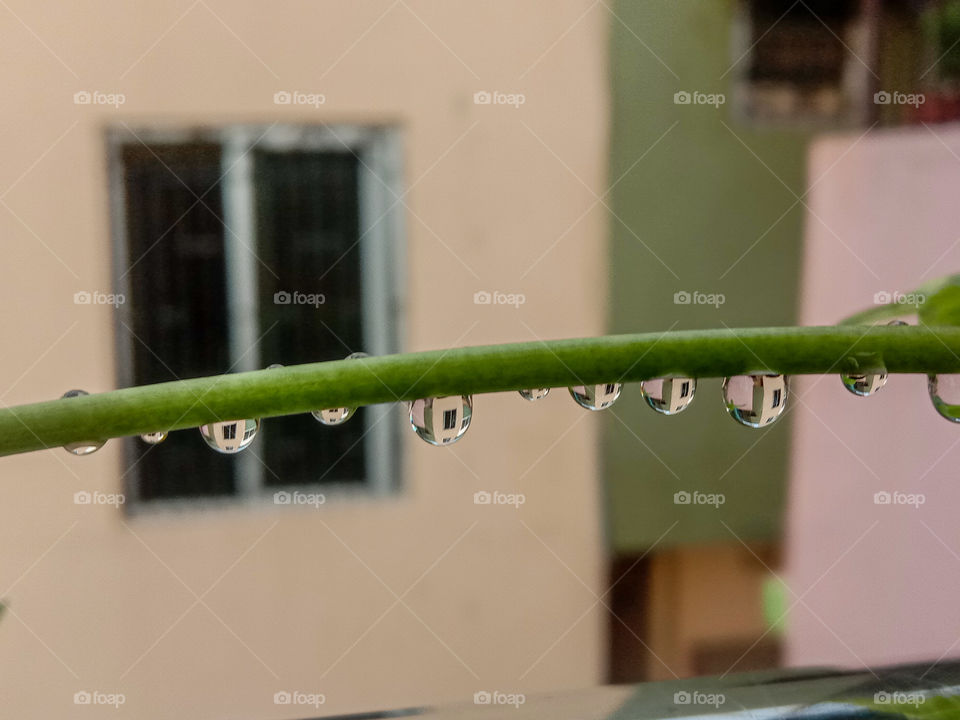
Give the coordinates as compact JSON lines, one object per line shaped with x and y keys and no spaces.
{"x":287,"y":599}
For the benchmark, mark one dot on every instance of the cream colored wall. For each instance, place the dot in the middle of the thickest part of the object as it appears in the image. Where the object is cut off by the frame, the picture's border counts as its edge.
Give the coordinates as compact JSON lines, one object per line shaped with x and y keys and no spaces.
{"x":209,"y":613}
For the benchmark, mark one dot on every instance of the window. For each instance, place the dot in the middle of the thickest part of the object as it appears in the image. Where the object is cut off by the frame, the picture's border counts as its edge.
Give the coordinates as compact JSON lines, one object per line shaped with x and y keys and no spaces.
{"x":803,"y":62}
{"x":246,"y":246}
{"x":684,"y":388}
{"x":775,"y":403}
{"x":449,"y":419}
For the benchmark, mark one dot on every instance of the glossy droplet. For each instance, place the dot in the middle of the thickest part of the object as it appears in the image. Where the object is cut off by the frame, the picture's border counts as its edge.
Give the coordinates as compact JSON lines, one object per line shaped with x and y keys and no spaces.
{"x":864,"y":385}
{"x":441,"y":420}
{"x":945,"y":394}
{"x":338,"y":416}
{"x":755,"y":400}
{"x":230,"y":436}
{"x":84,"y":447}
{"x":669,"y":395}
{"x":154,"y":438}
{"x":274,"y":366}
{"x":596,"y":397}
{"x":867,"y":383}
{"x":534,"y":394}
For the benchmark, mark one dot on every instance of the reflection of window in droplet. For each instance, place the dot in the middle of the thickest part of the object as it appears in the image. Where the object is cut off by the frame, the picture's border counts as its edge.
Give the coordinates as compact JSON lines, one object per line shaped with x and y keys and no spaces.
{"x":449,"y":419}
{"x":776,"y":399}
{"x":684,"y":389}
{"x":610,"y":389}
{"x":282,"y":207}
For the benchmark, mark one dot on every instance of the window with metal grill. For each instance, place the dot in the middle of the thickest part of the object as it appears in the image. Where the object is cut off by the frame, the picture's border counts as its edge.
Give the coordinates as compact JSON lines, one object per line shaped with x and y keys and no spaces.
{"x":241,"y":248}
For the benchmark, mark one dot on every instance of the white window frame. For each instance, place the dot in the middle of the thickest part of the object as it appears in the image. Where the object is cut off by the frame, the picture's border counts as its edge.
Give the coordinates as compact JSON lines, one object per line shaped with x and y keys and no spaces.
{"x":382,"y":258}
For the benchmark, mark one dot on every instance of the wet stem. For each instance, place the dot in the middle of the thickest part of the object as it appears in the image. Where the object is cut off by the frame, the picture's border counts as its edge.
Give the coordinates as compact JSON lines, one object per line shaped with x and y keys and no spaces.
{"x":474,"y":370}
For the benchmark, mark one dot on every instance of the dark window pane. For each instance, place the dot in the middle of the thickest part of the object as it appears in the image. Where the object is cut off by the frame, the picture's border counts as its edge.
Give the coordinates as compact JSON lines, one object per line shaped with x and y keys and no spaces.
{"x":308,"y":232}
{"x":449,"y":419}
{"x":177,"y":287}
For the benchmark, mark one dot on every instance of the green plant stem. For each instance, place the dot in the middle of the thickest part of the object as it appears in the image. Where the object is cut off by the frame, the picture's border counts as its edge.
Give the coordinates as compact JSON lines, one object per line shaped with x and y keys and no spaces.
{"x":474,"y":370}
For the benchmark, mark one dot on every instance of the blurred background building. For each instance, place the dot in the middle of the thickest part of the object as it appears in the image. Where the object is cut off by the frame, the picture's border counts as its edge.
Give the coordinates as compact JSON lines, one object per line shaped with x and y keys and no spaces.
{"x":201,"y":187}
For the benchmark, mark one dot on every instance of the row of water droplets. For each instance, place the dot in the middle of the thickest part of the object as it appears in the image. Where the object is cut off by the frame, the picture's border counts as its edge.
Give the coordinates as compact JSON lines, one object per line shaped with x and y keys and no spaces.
{"x":755,"y":401}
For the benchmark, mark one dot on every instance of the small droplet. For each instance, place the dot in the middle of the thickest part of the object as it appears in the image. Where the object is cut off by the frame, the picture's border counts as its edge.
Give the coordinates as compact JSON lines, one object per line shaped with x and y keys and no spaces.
{"x":897,"y":323}
{"x":230,"y":436}
{"x":441,"y":420}
{"x":274,"y":366}
{"x":338,"y":416}
{"x":669,"y":395}
{"x":83,"y":447}
{"x":945,"y":394}
{"x":755,"y":400}
{"x":534,"y":394}
{"x":154,"y":438}
{"x":864,"y":385}
{"x":596,"y":397}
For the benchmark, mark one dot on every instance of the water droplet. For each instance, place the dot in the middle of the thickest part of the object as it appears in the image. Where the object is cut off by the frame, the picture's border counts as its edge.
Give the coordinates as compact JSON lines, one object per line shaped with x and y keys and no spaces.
{"x":274,"y":366}
{"x":669,"y":395}
{"x":154,"y":438}
{"x":534,"y":394}
{"x":755,"y":400}
{"x":230,"y":436}
{"x":441,"y":420}
{"x":945,"y":393}
{"x":896,"y":323}
{"x":83,"y":447}
{"x":338,"y":416}
{"x":596,"y":397}
{"x":864,"y":385}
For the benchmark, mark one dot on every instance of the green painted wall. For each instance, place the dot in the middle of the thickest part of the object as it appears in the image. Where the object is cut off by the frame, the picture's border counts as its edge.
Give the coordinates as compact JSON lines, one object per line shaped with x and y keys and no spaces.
{"x":698,"y":200}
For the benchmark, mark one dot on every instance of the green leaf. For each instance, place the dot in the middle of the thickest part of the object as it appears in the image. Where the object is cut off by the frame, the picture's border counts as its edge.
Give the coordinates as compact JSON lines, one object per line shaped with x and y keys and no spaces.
{"x":942,"y":308}
{"x":913,"y":303}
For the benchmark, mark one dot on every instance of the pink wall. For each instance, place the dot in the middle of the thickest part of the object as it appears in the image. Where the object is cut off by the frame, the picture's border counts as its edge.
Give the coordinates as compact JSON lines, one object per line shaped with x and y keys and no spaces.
{"x":876,"y":583}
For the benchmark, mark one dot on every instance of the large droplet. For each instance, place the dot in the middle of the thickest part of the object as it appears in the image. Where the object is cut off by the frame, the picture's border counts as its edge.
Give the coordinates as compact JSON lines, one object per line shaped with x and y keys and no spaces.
{"x":338,"y":416}
{"x":83,"y":447}
{"x":596,"y":397}
{"x":534,"y":394}
{"x":441,"y":420}
{"x":755,"y":400}
{"x":669,"y":395}
{"x":230,"y":436}
{"x":945,"y":394}
{"x":864,"y":385}
{"x":154,"y":438}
